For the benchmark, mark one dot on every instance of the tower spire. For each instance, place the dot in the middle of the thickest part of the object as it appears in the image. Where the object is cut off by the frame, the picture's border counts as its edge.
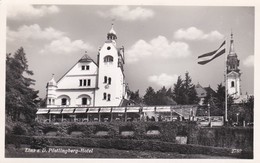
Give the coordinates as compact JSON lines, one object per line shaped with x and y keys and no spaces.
{"x":111,"y":36}
{"x":232,"y":48}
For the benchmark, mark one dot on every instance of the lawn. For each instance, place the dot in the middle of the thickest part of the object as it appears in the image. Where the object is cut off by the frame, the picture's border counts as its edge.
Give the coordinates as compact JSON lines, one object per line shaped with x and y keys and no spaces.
{"x":83,"y":152}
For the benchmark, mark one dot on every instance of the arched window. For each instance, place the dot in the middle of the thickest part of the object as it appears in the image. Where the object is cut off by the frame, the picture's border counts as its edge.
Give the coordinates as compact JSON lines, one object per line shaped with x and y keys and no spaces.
{"x":83,"y":99}
{"x":108,"y":97}
{"x":63,"y":101}
{"x":108,"y":58}
{"x":109,"y":80}
{"x":105,"y":79}
{"x":232,"y":84}
{"x":104,"y":96}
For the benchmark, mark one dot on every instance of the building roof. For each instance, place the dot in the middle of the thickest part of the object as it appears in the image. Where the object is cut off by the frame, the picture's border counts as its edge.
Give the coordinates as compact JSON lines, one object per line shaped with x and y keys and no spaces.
{"x":204,"y":91}
{"x":201,"y":92}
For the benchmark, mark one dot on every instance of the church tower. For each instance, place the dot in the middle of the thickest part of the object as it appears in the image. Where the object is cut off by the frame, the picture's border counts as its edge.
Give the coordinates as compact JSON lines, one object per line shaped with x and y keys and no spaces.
{"x":111,"y":80}
{"x":233,"y":71}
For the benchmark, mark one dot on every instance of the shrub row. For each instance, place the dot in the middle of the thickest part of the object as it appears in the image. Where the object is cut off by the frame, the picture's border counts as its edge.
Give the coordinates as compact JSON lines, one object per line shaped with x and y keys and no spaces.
{"x":168,"y":130}
{"x":240,"y":138}
{"x":130,"y":145}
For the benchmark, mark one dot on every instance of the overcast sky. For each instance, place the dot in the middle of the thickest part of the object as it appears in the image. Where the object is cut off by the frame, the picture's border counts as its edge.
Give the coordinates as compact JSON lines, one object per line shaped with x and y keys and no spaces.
{"x":161,"y":42}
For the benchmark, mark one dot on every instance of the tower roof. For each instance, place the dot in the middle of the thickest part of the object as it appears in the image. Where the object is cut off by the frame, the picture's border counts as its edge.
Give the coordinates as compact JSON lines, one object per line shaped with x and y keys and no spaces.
{"x":52,"y":82}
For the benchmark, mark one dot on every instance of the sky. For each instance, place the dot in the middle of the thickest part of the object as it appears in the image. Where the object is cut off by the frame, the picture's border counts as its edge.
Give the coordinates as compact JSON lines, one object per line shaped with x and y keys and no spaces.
{"x":161,"y":42}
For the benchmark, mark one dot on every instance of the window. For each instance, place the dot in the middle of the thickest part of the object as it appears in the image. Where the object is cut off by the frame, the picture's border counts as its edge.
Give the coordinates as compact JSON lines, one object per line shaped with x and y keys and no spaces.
{"x":85,"y":67}
{"x":84,"y":101}
{"x":105,"y":79}
{"x":232,"y":84}
{"x":104,"y":96}
{"x":89,"y":82}
{"x":108,"y":48}
{"x":80,"y":82}
{"x":63,"y":101}
{"x":85,"y":82}
{"x":108,"y":97}
{"x":108,"y":58}
{"x":53,"y":101}
{"x":82,"y":67}
{"x":109,"y":80}
{"x":49,"y":101}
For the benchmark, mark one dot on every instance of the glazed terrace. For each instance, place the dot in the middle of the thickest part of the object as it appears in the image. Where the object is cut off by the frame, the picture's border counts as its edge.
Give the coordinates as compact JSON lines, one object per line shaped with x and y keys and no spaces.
{"x":109,"y":114}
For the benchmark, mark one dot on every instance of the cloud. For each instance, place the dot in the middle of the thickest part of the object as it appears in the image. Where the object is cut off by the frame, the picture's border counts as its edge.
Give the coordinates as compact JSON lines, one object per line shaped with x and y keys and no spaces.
{"x":59,"y":43}
{"x":193,"y":33}
{"x":163,"y":79}
{"x":33,"y":32}
{"x":27,"y":11}
{"x":157,"y":47}
{"x":249,"y":61}
{"x":126,"y":14}
{"x":64,"y":45}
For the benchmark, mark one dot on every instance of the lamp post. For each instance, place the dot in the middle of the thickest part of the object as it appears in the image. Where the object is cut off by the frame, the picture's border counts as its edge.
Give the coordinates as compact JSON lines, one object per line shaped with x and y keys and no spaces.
{"x":237,"y":118}
{"x":209,"y":113}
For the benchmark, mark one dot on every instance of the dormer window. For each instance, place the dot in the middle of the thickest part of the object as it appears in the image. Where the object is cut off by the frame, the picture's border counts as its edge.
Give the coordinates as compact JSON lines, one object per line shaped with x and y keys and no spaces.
{"x":108,"y":58}
{"x":85,"y":67}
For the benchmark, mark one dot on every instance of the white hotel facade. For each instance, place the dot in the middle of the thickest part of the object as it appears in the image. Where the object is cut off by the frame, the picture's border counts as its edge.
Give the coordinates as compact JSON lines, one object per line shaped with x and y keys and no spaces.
{"x":91,"y":84}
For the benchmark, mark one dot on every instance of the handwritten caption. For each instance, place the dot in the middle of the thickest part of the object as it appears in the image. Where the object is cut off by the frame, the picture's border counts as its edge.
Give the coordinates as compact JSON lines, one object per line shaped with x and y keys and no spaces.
{"x":59,"y":150}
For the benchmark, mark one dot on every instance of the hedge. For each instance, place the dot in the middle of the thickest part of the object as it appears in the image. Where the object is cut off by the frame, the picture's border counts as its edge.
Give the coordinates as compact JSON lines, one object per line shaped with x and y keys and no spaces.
{"x":228,"y":137}
{"x":129,"y":144}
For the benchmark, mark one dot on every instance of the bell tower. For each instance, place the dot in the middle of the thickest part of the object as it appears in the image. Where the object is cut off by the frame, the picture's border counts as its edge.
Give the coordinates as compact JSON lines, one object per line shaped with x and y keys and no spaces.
{"x":111,"y":78}
{"x":233,"y":71}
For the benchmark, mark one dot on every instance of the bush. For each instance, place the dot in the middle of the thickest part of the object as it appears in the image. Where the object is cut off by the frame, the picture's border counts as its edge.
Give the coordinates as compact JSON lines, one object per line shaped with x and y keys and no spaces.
{"x":19,"y":130}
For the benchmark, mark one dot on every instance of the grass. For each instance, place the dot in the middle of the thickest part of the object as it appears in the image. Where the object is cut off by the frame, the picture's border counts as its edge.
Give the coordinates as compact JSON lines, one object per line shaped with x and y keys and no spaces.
{"x":12,"y":152}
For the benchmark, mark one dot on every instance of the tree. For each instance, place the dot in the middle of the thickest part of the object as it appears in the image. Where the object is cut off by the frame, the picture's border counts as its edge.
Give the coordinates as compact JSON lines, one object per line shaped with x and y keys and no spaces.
{"x":135,"y":97}
{"x":21,"y":99}
{"x":150,"y":96}
{"x":217,"y":101}
{"x":178,"y":91}
{"x":190,"y":93}
{"x":184,"y":91}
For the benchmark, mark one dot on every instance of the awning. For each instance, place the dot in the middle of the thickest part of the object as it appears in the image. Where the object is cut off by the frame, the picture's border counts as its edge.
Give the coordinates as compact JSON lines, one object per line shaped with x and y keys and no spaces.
{"x":55,"y":111}
{"x":67,"y":110}
{"x":42,"y":111}
{"x":132,"y":109}
{"x":148,"y":109}
{"x":105,"y":110}
{"x":93,"y":110}
{"x":163,"y":109}
{"x":80,"y":110}
{"x":118,"y":110}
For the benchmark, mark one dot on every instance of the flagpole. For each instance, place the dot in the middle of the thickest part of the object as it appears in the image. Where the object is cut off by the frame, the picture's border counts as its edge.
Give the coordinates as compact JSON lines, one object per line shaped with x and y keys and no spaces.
{"x":226,"y":84}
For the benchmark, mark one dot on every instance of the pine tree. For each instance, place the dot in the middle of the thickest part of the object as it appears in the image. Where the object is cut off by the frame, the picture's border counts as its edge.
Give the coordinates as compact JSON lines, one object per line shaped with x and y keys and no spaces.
{"x":135,"y":97}
{"x":21,"y":99}
{"x":150,"y":96}
{"x":178,"y":91}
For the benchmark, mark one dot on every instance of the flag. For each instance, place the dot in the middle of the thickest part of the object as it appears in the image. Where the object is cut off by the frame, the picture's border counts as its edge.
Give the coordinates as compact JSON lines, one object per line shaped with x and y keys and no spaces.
{"x":205,"y":58}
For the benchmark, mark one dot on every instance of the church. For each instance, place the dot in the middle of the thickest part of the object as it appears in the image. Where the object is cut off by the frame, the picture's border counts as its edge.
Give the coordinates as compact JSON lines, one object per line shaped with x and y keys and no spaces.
{"x":89,"y":83}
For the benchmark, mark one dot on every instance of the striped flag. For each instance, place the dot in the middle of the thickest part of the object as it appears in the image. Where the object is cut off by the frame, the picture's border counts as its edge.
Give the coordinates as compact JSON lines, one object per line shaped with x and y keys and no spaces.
{"x":205,"y":58}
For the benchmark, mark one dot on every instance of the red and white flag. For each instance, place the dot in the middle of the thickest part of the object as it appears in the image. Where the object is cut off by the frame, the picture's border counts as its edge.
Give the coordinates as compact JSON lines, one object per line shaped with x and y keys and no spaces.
{"x":205,"y":58}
